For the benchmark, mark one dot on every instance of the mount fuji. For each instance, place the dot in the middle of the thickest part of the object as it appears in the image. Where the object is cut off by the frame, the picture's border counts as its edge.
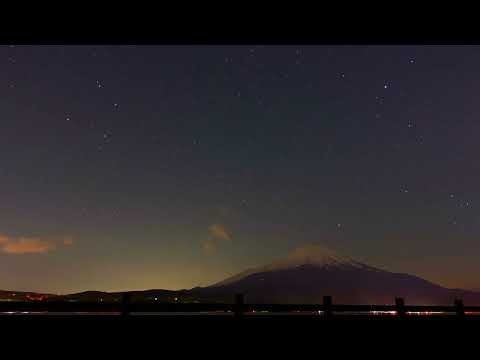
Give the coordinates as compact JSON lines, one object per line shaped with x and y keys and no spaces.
{"x":312,"y":271}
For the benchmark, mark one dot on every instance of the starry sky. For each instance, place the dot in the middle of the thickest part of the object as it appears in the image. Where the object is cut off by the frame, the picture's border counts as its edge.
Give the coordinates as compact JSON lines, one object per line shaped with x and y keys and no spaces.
{"x":135,"y":167}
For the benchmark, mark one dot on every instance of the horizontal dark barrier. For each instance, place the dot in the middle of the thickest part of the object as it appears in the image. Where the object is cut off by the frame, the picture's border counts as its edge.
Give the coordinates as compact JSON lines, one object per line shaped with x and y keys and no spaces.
{"x":238,"y":308}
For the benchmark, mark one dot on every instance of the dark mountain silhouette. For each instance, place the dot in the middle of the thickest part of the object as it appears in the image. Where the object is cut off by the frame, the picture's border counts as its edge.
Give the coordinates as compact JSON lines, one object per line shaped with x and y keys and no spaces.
{"x":311,"y":272}
{"x":156,"y":295}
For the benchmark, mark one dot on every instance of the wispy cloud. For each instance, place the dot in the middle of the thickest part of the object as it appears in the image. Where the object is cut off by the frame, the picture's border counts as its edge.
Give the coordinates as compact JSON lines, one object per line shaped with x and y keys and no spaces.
{"x":217,"y":233}
{"x":29,"y":245}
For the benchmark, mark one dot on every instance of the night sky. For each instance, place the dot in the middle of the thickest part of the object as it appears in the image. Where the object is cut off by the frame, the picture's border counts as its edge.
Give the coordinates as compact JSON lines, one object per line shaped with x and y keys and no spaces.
{"x":135,"y":167}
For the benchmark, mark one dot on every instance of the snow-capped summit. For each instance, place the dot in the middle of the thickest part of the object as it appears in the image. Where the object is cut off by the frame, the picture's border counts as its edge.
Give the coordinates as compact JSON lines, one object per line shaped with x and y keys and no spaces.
{"x":315,"y":255}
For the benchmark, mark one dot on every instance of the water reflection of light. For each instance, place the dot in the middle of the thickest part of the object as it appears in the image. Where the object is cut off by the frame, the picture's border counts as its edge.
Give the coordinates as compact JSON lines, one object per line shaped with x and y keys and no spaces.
{"x":383,"y":312}
{"x":408,"y":313}
{"x":425,"y":312}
